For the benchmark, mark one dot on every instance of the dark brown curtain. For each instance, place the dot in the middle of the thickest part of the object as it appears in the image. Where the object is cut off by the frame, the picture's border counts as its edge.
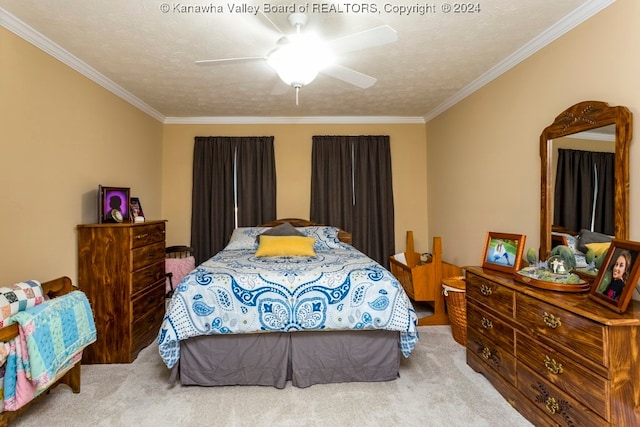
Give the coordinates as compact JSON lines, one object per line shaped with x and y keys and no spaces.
{"x":256,"y":181}
{"x":584,"y":191}
{"x":373,"y":225}
{"x":351,"y":187}
{"x":216,"y":160}
{"x":331,"y":181}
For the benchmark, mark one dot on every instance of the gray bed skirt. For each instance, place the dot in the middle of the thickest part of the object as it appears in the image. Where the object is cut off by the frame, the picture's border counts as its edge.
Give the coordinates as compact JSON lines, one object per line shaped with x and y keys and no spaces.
{"x":304,"y":358}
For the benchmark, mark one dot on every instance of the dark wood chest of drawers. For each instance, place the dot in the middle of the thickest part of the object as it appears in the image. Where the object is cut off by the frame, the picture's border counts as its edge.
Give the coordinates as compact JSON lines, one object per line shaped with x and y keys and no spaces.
{"x":558,"y":358}
{"x":121,"y":270}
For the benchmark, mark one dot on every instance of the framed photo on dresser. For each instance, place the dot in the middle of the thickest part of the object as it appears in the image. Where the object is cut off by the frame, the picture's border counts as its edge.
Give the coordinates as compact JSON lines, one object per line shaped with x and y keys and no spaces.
{"x":503,"y":251}
{"x":137,"y":215}
{"x":113,"y":204}
{"x":618,"y":277}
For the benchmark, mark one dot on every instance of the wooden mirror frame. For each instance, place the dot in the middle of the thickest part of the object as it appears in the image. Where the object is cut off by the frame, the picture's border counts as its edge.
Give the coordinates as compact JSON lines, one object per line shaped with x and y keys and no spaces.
{"x":579,"y":118}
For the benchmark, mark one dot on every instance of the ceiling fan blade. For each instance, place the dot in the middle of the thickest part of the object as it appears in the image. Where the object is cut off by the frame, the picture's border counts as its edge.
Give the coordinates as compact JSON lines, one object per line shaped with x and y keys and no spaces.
{"x":265,"y":17}
{"x":229,"y":60}
{"x":350,"y":76}
{"x":364,"y":39}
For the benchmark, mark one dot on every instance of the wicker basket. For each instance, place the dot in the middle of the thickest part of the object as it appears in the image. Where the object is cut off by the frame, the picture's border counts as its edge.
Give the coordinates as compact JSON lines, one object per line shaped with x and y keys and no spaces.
{"x":454,"y":289}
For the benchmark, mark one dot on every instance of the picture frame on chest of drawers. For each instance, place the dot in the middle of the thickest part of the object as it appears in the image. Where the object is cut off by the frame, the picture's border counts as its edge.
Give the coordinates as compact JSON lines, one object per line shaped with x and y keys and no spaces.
{"x":618,"y":277}
{"x":613,"y":286}
{"x":503,"y":251}
{"x":113,"y":204}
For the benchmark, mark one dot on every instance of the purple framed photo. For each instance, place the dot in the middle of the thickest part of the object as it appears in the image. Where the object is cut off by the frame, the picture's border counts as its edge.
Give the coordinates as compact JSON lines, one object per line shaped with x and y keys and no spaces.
{"x":113,"y":204}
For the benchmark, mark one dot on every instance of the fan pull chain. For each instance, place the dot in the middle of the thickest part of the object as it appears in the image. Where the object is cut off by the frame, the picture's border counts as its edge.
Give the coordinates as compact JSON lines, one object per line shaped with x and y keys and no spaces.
{"x":298,"y":27}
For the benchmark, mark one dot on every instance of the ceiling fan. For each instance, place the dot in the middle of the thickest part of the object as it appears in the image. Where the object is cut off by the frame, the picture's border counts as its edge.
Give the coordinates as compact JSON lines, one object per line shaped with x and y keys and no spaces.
{"x":299,"y":57}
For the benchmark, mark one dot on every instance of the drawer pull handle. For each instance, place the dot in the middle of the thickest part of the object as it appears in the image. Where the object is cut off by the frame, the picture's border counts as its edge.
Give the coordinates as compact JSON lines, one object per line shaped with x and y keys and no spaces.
{"x":486,"y":353}
{"x":552,"y":405}
{"x":553,"y":366}
{"x":551,"y":321}
{"x":485,"y":290}
{"x":486,"y":323}
{"x":142,"y":236}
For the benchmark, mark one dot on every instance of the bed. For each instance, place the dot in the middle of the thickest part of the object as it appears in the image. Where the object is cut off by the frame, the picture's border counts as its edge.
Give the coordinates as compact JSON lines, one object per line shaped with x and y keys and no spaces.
{"x":246,"y":318}
{"x":589,"y":249}
{"x":580,"y":243}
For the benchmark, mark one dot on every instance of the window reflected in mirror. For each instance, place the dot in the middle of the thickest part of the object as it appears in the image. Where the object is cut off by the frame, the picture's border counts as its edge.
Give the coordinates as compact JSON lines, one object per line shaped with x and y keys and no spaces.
{"x":583,"y":181}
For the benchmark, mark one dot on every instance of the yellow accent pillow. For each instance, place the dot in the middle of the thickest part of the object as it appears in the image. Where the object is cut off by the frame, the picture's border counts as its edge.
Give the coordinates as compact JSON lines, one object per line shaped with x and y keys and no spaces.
{"x":598,"y":248}
{"x":285,"y":246}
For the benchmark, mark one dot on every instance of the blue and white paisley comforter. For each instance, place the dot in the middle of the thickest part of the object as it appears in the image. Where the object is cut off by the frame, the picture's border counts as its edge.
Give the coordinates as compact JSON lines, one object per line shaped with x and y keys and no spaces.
{"x":235,"y":292}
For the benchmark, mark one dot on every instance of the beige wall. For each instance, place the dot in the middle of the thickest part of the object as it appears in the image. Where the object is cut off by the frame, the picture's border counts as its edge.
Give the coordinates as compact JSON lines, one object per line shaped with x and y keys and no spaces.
{"x":293,"y":170}
{"x":61,"y":135}
{"x":483,"y":159}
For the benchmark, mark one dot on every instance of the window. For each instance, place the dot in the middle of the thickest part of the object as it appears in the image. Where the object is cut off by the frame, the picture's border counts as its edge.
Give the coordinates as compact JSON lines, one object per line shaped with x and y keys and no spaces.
{"x":584,"y":191}
{"x":234,"y":185}
{"x":351,"y":187}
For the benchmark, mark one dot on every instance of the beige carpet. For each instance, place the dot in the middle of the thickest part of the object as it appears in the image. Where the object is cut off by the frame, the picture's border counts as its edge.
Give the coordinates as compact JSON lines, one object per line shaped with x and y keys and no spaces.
{"x":435,"y":388}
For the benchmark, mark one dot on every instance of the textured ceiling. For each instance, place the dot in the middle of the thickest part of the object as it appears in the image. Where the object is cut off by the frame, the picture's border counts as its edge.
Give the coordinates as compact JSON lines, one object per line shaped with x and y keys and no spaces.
{"x":146,"y":49}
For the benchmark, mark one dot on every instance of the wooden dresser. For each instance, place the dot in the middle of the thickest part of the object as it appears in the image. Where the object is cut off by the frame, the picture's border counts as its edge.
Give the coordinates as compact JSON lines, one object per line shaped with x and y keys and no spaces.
{"x":121,"y":270}
{"x":558,"y":358}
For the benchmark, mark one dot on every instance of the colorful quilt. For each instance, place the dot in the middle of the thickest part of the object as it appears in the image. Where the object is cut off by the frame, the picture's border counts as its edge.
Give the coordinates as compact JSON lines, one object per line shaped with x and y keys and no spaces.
{"x":236,"y":292}
{"x":52,"y":336}
{"x":19,"y":297}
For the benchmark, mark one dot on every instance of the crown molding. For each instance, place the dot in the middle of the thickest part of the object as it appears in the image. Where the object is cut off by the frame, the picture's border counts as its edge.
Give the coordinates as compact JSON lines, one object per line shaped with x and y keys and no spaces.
{"x":593,"y":136}
{"x":552,"y":33}
{"x":24,"y":31}
{"x":569,"y":22}
{"x":293,"y":120}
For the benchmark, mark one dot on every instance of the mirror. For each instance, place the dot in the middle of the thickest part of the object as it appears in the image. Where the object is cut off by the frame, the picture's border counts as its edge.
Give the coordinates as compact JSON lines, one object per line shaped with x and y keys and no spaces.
{"x":582,"y":117}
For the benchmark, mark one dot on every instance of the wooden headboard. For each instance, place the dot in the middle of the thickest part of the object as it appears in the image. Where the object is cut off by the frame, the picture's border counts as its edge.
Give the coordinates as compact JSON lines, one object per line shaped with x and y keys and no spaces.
{"x":343,"y":236}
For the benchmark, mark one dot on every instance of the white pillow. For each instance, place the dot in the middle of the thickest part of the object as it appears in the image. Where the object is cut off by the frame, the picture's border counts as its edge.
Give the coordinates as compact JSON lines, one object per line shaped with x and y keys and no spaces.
{"x":244,"y":238}
{"x":572,"y":241}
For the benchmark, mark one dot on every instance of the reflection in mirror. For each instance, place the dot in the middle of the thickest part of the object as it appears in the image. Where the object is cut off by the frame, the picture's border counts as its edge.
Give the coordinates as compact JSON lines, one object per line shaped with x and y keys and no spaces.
{"x":586,"y":117}
{"x":583,"y":175}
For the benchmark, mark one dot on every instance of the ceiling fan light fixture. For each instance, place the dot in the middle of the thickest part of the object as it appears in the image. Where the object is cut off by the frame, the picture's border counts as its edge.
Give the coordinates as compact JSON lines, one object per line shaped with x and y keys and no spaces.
{"x":299,"y":57}
{"x":299,"y":62}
